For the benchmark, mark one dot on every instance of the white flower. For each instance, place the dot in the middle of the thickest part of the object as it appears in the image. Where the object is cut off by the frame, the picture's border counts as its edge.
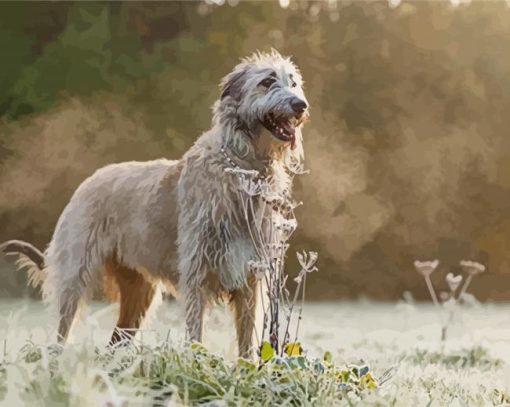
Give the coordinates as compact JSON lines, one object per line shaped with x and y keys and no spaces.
{"x":472,"y":267}
{"x":257,"y":265}
{"x":285,"y":226}
{"x":249,"y":180}
{"x":277,"y":250}
{"x":297,"y":168}
{"x":295,"y":204}
{"x":272,"y":199}
{"x":453,"y":281}
{"x":249,"y":185}
{"x":307,"y":260}
{"x":426,"y":268}
{"x":258,"y":268}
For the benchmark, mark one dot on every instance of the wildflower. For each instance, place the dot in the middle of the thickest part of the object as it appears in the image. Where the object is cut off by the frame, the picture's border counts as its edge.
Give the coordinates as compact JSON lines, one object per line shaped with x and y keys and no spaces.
{"x":453,"y":281}
{"x":425,"y":268}
{"x":295,"y":204}
{"x":286,"y":226}
{"x":276,"y":202}
{"x":250,"y":185}
{"x":297,"y":168}
{"x":472,"y":267}
{"x":277,"y":250}
{"x":307,"y":260}
{"x":258,"y":268}
{"x":290,"y":206}
{"x":249,"y":180}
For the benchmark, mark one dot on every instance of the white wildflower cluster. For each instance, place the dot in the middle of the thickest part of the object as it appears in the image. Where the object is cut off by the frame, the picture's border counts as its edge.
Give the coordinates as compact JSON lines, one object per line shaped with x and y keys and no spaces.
{"x":269,"y":214}
{"x":457,"y":286}
{"x":286,"y":227}
{"x":307,"y":262}
{"x":258,"y":268}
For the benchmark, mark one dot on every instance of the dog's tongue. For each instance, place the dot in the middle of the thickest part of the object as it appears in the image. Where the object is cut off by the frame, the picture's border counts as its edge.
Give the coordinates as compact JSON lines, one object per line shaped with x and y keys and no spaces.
{"x":290,"y":130}
{"x":288,"y":127}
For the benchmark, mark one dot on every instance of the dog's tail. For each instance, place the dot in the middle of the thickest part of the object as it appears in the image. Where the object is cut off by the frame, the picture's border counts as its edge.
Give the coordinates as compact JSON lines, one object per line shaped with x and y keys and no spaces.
{"x":29,"y":258}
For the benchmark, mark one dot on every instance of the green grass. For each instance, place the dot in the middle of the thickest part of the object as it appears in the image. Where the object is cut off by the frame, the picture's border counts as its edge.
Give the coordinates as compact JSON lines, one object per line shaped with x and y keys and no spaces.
{"x":475,"y":357}
{"x":172,"y":375}
{"x":400,"y":345}
{"x":162,"y":374}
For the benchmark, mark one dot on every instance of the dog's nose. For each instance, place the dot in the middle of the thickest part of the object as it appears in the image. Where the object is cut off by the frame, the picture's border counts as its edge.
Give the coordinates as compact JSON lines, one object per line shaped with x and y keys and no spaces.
{"x":298,"y":105}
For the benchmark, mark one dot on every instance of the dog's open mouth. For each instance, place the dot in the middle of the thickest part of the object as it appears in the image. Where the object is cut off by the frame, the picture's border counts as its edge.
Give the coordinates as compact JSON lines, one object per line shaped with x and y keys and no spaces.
{"x":283,"y":128}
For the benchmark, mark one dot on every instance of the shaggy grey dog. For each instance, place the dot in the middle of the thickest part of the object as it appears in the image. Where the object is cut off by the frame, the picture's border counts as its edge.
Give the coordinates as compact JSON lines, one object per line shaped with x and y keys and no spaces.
{"x":138,"y":226}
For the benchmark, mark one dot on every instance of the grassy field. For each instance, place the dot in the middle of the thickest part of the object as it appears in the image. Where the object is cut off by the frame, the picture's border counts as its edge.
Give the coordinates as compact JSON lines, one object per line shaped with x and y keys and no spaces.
{"x":399,"y":342}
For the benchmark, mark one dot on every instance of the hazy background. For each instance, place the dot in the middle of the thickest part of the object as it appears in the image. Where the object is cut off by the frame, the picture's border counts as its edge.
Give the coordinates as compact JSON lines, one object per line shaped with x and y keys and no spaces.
{"x":408,"y":145}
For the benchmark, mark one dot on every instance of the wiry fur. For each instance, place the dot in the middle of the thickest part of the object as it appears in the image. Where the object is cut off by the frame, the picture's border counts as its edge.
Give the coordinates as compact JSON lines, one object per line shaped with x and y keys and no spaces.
{"x":28,"y":258}
{"x":179,"y":223}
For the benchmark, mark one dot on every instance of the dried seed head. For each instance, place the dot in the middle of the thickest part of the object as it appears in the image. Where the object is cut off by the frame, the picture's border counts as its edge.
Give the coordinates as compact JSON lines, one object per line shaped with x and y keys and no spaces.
{"x":472,"y":267}
{"x":425,"y":268}
{"x":286,"y":226}
{"x":307,"y":260}
{"x":453,"y":281}
{"x":258,"y":268}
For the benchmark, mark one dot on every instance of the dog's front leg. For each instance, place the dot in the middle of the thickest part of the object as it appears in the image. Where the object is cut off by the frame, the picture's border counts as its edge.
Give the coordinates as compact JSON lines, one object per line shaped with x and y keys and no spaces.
{"x":195,"y":303}
{"x":244,"y":304}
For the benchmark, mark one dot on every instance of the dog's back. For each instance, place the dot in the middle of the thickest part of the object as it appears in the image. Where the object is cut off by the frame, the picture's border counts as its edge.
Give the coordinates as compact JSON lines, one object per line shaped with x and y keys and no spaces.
{"x":124,"y":213}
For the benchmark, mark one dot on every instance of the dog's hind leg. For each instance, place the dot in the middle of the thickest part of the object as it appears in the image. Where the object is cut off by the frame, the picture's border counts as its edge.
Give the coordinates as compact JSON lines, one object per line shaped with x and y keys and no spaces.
{"x":136,"y":296}
{"x":67,"y":313}
{"x":72,"y":292}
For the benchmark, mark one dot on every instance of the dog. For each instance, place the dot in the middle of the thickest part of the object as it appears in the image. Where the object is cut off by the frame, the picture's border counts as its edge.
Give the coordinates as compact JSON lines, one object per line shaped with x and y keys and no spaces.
{"x":178,"y":224}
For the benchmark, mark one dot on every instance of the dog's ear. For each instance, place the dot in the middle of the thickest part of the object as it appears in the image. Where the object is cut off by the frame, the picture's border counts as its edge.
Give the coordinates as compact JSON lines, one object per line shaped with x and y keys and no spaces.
{"x":232,"y":84}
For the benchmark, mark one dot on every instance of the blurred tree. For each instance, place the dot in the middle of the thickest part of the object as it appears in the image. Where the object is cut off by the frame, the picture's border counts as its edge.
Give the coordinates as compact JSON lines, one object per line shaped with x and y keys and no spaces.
{"x":408,"y":142}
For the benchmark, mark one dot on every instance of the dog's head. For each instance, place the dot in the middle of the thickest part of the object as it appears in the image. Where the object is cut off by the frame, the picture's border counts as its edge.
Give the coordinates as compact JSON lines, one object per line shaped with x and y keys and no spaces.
{"x":264,"y":96}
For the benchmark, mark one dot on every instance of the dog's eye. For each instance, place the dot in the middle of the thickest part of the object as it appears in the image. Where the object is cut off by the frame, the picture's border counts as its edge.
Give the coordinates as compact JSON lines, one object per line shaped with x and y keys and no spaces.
{"x":294,"y":84}
{"x":266,"y":83}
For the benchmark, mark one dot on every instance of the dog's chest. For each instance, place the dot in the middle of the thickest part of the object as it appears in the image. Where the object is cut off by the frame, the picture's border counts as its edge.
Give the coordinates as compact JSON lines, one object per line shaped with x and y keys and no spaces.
{"x":251,"y":229}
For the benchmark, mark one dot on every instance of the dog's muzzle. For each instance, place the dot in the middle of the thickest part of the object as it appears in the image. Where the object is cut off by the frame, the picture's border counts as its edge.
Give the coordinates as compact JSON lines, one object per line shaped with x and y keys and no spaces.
{"x":283,"y":127}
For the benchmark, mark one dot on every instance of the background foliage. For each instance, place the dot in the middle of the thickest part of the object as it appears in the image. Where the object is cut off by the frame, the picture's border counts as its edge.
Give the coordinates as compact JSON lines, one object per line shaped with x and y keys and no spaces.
{"x":408,"y":143}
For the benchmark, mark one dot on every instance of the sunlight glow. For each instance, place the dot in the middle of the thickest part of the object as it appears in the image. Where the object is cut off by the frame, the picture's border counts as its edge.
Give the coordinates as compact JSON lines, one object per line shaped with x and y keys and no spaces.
{"x":284,"y":3}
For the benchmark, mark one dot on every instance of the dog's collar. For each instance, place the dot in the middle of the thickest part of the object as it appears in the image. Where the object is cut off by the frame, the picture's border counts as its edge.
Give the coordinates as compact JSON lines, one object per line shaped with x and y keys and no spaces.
{"x":232,"y":160}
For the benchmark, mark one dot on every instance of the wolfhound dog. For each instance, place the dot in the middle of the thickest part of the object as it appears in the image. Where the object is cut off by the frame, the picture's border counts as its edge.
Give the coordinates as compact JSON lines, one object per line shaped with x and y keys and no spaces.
{"x":178,"y":225}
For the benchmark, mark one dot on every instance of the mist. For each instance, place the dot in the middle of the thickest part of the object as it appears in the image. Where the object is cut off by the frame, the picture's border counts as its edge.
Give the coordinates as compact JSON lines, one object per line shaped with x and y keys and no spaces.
{"x":407,"y":145}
